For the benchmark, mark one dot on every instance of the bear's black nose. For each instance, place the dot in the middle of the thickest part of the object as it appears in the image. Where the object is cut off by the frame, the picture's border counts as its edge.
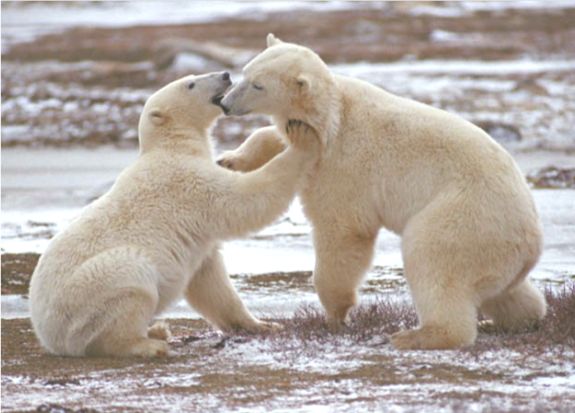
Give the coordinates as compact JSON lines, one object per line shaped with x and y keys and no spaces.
{"x":226,"y":76}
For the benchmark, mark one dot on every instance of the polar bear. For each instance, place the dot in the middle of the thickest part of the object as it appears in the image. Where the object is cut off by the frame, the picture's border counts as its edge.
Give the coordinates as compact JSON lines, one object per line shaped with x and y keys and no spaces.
{"x":156,"y":233}
{"x":470,"y":232}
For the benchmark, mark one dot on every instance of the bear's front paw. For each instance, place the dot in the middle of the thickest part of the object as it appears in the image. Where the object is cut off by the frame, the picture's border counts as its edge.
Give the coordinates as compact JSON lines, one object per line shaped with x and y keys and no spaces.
{"x":253,"y":326}
{"x":301,"y":135}
{"x":336,"y":325}
{"x":264,"y":326}
{"x":230,"y":160}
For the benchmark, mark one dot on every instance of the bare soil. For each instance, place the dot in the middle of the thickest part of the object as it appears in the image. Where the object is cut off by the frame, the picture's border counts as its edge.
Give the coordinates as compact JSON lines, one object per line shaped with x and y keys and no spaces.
{"x":16,"y":272}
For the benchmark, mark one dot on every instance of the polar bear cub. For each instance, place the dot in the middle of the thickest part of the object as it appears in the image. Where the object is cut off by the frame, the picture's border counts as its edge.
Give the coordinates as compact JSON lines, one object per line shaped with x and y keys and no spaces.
{"x":156,"y":233}
{"x":470,"y":231}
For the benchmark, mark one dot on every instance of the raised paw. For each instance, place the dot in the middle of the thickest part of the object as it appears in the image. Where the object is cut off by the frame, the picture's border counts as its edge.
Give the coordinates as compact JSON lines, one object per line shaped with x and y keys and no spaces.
{"x":232,"y":161}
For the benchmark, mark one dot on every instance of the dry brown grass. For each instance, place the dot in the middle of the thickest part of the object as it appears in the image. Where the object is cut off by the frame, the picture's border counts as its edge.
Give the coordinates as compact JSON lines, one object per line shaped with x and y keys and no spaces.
{"x":367,"y":322}
{"x":373,"y":322}
{"x":552,"y":177}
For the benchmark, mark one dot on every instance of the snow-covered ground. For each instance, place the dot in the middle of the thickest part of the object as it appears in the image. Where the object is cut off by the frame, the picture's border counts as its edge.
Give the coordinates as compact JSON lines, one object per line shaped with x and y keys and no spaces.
{"x":26,"y":22}
{"x":527,"y":99}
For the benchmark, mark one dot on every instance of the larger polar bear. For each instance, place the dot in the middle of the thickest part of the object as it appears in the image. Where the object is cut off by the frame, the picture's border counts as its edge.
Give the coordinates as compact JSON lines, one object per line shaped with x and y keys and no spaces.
{"x":156,"y":233}
{"x":470,"y":231}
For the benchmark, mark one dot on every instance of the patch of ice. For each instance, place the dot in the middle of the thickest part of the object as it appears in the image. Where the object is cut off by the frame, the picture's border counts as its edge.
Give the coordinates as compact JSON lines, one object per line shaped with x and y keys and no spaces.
{"x":517,"y":5}
{"x":439,"y":11}
{"x":16,"y":380}
{"x":16,"y":132}
{"x":563,"y":381}
{"x":15,"y":306}
{"x":461,"y":8}
{"x":443,"y":36}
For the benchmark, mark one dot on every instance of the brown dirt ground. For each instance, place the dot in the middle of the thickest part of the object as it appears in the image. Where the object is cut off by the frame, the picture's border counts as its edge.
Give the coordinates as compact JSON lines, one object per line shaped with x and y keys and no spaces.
{"x":210,"y":372}
{"x":16,"y":272}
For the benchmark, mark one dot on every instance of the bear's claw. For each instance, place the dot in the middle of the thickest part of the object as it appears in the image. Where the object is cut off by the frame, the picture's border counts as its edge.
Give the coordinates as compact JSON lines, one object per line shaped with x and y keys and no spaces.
{"x":231,"y":161}
{"x":301,"y":135}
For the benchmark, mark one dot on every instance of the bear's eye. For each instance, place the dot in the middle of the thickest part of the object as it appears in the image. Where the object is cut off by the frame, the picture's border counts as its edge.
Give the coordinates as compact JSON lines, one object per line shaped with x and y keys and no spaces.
{"x":258,"y":87}
{"x":191,"y":85}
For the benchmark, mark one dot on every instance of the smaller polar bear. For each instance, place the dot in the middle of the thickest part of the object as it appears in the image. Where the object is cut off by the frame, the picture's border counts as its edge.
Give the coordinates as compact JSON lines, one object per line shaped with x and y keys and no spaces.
{"x":469,"y":228}
{"x":156,"y":233}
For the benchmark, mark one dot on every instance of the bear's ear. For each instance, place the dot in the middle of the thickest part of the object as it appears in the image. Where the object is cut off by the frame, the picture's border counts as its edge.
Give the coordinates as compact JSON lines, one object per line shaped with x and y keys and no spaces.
{"x":157,"y":117}
{"x":304,"y":83}
{"x":272,"y":40}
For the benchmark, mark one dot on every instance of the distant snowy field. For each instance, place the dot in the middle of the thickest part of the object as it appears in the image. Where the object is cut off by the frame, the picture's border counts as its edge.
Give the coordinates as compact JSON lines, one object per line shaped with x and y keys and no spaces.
{"x":25,"y":22}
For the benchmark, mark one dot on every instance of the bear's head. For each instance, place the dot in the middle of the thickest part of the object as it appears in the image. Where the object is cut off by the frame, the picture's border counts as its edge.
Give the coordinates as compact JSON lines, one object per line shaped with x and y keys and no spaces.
{"x":183,"y":108}
{"x":286,"y":81}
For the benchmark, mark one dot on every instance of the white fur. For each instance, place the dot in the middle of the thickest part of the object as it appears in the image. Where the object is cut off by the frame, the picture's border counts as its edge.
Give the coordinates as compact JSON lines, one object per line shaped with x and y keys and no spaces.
{"x":156,"y":234}
{"x":470,"y":231}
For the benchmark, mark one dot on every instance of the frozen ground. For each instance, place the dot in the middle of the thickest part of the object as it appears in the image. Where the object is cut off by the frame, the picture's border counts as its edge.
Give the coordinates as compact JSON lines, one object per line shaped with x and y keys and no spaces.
{"x":261,"y":375}
{"x":70,"y":104}
{"x":44,"y":188}
{"x":21,"y":23}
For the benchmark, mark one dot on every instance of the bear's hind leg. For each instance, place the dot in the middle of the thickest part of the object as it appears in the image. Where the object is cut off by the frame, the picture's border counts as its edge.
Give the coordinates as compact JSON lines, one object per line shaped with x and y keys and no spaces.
{"x":519,"y":307}
{"x":447,"y":315}
{"x":126,"y":334}
{"x":440,"y":276}
{"x":116,"y":310}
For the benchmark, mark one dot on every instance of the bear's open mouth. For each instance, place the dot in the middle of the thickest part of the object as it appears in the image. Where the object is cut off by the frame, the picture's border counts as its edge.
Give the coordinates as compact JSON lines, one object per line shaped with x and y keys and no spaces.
{"x":217,"y":99}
